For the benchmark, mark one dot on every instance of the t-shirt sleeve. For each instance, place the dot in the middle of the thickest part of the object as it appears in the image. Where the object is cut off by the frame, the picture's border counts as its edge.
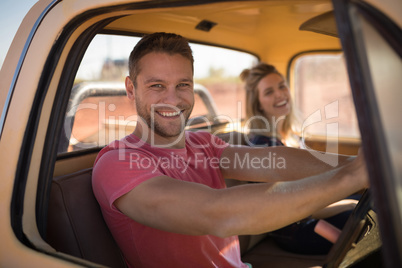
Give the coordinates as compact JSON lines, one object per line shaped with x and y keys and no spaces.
{"x":116,"y":173}
{"x":219,"y":145}
{"x":211,"y":142}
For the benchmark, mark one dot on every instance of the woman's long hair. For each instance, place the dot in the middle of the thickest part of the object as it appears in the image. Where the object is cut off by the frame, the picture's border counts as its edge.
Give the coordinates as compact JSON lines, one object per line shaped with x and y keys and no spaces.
{"x":257,"y":122}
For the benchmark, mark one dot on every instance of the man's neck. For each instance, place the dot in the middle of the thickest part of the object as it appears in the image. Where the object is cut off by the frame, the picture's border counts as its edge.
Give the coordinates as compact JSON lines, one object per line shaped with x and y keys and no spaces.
{"x":177,"y":142}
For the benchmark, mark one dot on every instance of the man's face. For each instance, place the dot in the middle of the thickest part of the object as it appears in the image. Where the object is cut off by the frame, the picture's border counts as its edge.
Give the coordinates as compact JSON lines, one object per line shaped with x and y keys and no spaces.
{"x":164,"y":93}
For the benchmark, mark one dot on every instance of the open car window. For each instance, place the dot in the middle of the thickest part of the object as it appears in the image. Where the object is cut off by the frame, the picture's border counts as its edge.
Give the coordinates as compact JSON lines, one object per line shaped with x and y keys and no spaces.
{"x":323,"y":96}
{"x":99,"y":112}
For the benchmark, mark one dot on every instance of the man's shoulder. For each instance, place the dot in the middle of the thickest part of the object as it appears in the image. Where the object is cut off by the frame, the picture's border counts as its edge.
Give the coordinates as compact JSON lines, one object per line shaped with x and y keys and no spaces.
{"x":120,"y":147}
{"x":202,"y":137}
{"x":205,"y":140}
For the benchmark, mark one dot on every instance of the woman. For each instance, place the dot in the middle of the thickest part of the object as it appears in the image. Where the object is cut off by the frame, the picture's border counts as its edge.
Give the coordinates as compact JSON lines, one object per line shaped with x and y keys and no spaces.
{"x":269,"y":109}
{"x":271,"y":122}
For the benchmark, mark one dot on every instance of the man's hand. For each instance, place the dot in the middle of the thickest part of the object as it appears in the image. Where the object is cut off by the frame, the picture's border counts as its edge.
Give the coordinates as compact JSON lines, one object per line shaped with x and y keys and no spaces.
{"x":358,"y":171}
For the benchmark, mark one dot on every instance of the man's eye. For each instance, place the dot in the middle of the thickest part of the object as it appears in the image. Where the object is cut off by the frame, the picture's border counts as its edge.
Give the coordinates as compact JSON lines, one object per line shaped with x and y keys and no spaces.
{"x":156,"y":85}
{"x":184,"y":85}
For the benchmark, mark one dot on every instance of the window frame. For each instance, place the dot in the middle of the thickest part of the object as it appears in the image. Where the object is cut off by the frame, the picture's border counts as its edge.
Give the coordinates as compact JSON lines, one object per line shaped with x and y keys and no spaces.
{"x":290,"y":76}
{"x":349,"y":15}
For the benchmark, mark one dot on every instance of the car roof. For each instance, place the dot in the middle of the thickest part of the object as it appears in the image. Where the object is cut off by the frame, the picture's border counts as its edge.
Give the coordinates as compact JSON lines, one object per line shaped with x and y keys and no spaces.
{"x":268,"y":29}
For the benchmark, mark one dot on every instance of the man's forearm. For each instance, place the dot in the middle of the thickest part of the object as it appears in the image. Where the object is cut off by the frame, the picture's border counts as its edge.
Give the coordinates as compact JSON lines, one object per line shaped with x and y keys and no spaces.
{"x":272,"y":164}
{"x":282,"y":203}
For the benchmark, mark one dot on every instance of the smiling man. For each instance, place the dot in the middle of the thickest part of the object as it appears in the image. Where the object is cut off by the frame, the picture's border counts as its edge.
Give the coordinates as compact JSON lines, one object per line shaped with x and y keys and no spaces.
{"x":164,"y":95}
{"x":162,"y":190}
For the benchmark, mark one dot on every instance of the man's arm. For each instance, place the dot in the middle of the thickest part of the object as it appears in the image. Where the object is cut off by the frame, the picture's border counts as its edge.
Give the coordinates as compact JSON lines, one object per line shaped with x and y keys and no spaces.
{"x":271,"y":164}
{"x":190,"y":208}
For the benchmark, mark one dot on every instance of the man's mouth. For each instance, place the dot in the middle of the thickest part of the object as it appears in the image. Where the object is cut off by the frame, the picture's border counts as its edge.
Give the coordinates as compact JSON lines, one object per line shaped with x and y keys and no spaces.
{"x":169,"y":114}
{"x":282,"y":103}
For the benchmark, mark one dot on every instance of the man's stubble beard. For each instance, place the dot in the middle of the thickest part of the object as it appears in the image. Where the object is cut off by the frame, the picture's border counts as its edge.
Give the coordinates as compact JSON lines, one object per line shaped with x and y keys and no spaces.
{"x":155,"y":126}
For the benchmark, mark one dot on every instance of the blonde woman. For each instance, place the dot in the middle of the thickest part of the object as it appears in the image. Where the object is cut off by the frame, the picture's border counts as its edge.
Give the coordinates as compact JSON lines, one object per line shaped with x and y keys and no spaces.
{"x":269,"y":110}
{"x":271,"y":120}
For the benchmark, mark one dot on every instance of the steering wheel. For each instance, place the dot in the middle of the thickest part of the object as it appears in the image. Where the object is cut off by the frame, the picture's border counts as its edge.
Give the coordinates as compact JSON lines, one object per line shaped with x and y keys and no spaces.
{"x":359,"y":244}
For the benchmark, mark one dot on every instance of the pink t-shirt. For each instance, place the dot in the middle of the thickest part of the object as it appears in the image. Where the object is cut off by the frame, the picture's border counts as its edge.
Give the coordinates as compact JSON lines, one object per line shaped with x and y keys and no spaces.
{"x":124,"y":164}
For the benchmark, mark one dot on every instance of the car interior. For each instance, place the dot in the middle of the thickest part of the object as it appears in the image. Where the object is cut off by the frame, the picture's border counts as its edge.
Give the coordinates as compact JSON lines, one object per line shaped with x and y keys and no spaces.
{"x":68,"y":216}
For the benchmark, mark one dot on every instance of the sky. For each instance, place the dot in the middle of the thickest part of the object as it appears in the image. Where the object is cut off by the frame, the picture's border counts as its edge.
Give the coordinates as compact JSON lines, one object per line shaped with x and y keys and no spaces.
{"x":119,"y":47}
{"x":11,"y":14}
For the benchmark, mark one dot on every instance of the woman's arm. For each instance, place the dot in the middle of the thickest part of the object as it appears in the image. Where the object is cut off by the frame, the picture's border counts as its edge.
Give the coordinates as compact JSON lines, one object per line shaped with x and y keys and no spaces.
{"x":335,"y":208}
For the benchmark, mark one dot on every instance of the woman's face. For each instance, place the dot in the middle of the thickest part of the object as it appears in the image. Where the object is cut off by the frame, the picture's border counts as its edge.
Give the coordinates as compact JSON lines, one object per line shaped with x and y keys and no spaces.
{"x":274,"y":96}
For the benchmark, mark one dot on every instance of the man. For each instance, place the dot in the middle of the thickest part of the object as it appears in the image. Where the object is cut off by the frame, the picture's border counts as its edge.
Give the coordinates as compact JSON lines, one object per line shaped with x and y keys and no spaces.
{"x":162,"y":190}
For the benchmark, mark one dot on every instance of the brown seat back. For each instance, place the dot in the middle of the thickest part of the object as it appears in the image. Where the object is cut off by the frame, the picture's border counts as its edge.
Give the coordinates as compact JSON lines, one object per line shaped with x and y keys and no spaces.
{"x":75,"y":222}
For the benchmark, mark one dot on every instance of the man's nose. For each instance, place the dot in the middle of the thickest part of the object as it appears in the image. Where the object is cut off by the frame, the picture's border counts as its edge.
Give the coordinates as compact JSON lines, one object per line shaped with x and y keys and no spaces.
{"x":171,"y":96}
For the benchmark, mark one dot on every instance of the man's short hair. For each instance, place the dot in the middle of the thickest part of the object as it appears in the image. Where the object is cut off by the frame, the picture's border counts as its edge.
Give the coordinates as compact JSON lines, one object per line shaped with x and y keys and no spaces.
{"x":169,"y":43}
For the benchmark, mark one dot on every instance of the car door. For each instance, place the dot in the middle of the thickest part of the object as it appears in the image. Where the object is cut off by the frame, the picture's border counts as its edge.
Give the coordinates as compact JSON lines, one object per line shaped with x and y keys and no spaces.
{"x":35,"y":82}
{"x":371,"y":38}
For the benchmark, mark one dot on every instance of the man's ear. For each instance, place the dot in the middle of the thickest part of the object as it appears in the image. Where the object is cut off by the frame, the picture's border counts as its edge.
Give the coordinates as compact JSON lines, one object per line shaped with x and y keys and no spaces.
{"x":130,"y":88}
